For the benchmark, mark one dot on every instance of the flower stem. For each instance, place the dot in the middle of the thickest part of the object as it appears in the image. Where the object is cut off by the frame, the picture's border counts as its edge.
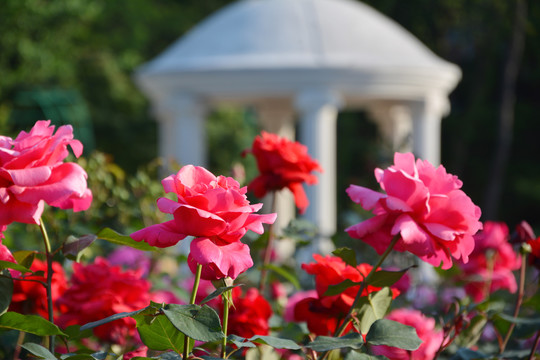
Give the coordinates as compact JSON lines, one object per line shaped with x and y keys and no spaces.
{"x":226,"y":304}
{"x":269,"y":246}
{"x":535,"y":346}
{"x":364,"y":284}
{"x":194,"y":290}
{"x":48,"y":287}
{"x":519,"y":300}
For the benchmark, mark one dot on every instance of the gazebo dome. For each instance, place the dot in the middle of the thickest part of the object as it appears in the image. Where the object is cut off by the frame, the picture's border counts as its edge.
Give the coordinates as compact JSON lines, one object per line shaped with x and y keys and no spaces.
{"x":277,"y":39}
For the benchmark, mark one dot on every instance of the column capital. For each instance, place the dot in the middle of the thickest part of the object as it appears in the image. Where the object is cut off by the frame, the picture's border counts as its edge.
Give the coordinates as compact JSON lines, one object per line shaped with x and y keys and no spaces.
{"x":314,"y":99}
{"x":435,"y":103}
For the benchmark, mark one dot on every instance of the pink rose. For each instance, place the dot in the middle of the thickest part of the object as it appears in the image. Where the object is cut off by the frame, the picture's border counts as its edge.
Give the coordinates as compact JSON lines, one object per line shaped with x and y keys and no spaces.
{"x":491,"y":263}
{"x":32,"y":172}
{"x":5,"y":254}
{"x":424,"y":205}
{"x":425,"y":329}
{"x":216,"y":211}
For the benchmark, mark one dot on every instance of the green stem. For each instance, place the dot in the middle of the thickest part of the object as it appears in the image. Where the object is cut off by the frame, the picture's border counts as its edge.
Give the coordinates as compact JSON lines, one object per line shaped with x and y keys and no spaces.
{"x":365,"y":282}
{"x":519,"y":300}
{"x":269,"y":246}
{"x":226,"y":304}
{"x":48,"y":288}
{"x":194,"y":290}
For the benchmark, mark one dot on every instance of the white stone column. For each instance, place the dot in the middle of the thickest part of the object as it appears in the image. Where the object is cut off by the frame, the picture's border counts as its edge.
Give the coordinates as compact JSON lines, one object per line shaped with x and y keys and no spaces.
{"x":277,"y":117}
{"x":427,"y":115}
{"x":394,"y":123}
{"x":318,"y":114}
{"x":182,"y":134}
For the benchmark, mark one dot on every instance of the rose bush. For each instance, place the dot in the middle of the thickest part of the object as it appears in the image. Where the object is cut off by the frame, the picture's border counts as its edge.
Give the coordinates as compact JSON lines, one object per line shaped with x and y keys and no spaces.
{"x":32,"y":172}
{"x":424,"y":206}
{"x":282,"y":163}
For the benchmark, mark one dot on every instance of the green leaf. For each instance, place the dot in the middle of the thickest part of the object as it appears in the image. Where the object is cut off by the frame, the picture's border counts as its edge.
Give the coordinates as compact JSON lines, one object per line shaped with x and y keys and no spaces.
{"x":74,"y":332}
{"x":240,"y":342}
{"x":346,"y":254}
{"x":116,"y":238}
{"x":199,"y":323}
{"x":393,"y":333}
{"x":32,"y":324}
{"x":74,"y":246}
{"x":383,"y":278}
{"x":38,"y":351}
{"x":275,"y":342}
{"x":373,"y":307}
{"x":341,"y":287}
{"x":158,"y":333}
{"x":355,"y":355}
{"x":6,"y":291}
{"x":287,"y":275}
{"x":327,"y":343}
{"x":170,"y":356}
{"x":217,"y":293}
{"x":467,"y":354}
{"x":25,"y":257}
{"x":108,"y":319}
{"x":10,"y":265}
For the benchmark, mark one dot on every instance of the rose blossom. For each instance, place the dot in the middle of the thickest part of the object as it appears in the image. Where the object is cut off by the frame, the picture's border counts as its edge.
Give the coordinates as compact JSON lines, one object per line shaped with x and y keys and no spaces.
{"x":424,"y":205}
{"x":32,"y":172}
{"x":491,"y":263}
{"x":282,"y":163}
{"x":5,"y":254}
{"x":322,"y":312}
{"x":30,"y":297}
{"x":250,"y":314}
{"x":426,"y":331}
{"x":216,"y":211}
{"x":99,"y":290}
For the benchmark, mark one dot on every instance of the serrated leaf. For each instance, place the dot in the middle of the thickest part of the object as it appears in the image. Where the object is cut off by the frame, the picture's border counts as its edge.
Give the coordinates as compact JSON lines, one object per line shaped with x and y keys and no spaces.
{"x":384,"y":278}
{"x":39,"y":351}
{"x":13,"y":266}
{"x":240,"y":342}
{"x":341,"y":287}
{"x":108,"y":319}
{"x":159,"y":333}
{"x":287,"y":275}
{"x":346,"y":254}
{"x":217,"y":293}
{"x":392,"y":333}
{"x":199,"y":323}
{"x":32,"y":324}
{"x":373,"y":307}
{"x":24,"y":257}
{"x":275,"y":342}
{"x":6,"y":291}
{"x":116,"y":238}
{"x":74,"y":332}
{"x":327,"y":343}
{"x":170,"y":356}
{"x":74,"y":246}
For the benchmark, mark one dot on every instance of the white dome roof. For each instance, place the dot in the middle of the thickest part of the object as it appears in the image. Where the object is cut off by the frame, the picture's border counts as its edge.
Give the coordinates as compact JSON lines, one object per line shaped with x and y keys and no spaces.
{"x":271,"y":47}
{"x":295,"y":34}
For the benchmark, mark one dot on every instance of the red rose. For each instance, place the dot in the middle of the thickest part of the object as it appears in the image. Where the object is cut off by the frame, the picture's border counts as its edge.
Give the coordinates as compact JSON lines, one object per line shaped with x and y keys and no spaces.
{"x":30,"y":297}
{"x":424,"y":206}
{"x":491,"y":263}
{"x":250,"y":314}
{"x":282,"y":164}
{"x":99,"y":290}
{"x":32,"y":172}
{"x":216,"y":211}
{"x":323,"y":313}
{"x":534,"y":256}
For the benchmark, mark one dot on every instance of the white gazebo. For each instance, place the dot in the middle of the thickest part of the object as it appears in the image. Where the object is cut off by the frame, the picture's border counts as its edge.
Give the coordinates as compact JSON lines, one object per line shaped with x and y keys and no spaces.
{"x":305,"y":60}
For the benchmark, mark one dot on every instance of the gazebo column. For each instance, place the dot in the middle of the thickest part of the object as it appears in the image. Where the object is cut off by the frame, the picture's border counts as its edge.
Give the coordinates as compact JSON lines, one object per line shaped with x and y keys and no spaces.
{"x":394,"y":123}
{"x":277,"y":117}
{"x":182,"y":134}
{"x":318,"y":116}
{"x":427,"y":115}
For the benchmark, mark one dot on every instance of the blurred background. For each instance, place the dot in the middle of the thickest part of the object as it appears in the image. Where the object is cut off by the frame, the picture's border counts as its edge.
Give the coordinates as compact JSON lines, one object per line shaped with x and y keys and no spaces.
{"x":73,"y":61}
